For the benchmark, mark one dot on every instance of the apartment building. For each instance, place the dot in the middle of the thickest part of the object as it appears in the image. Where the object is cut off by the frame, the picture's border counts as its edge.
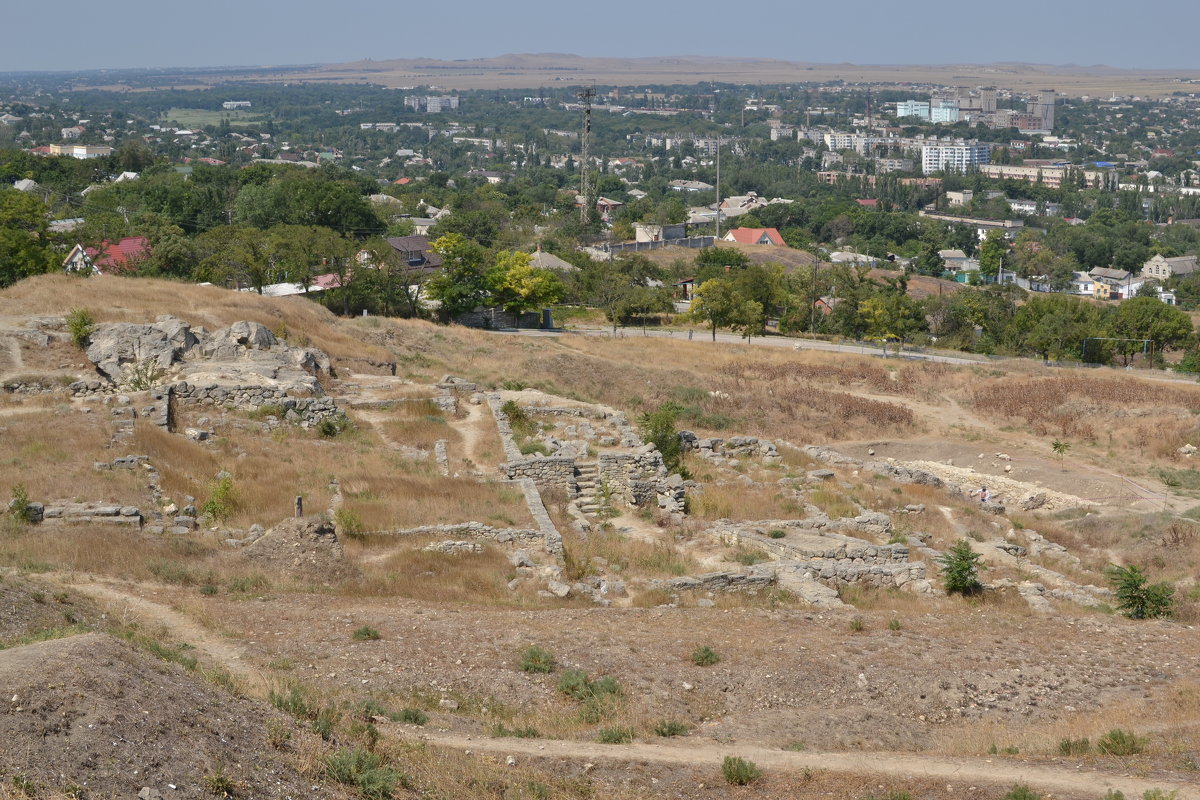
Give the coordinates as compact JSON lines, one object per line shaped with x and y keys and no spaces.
{"x":954,"y":157}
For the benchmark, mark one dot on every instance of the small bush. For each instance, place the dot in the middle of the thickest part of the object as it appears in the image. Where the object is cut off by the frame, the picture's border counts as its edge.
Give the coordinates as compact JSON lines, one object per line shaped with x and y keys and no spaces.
{"x":1159,"y":794}
{"x":739,"y":772}
{"x":1022,"y":792}
{"x":670,"y":728}
{"x":220,"y":784}
{"x":347,"y":522}
{"x":615,"y":736}
{"x":1074,"y":747}
{"x":777,"y":533}
{"x":223,"y":500}
{"x":536,"y":659}
{"x":208,"y":589}
{"x":499,"y":731}
{"x":294,"y":701}
{"x":19,"y":505}
{"x":325,"y":722}
{"x":413,"y":716}
{"x":365,"y":771}
{"x":894,"y":624}
{"x":960,"y":569}
{"x":1118,"y":742}
{"x":277,"y":734}
{"x":705,"y":656}
{"x":1135,"y":598}
{"x":857,"y":625}
{"x":749,"y":557}
{"x":365,"y":634}
{"x":332,"y":426}
{"x":80,"y":325}
{"x":574,"y":683}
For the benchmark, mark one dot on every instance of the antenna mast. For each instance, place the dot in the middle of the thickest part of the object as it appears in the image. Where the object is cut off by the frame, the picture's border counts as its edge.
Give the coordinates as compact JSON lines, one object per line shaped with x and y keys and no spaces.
{"x":586,"y":96}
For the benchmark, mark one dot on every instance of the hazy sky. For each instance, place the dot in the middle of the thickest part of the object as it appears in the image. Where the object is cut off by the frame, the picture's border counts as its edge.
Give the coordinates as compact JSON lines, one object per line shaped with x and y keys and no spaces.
{"x":85,"y":34}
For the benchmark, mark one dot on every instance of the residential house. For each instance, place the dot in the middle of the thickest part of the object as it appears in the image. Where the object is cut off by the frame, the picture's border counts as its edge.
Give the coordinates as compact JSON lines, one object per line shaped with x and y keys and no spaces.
{"x":1113,"y":284}
{"x":111,"y":258}
{"x":767,"y":236}
{"x":1162,"y":268}
{"x":543,"y":260}
{"x":648,"y":232}
{"x":958,"y":261}
{"x":690,"y":186}
{"x":1083,"y":284}
{"x":605,"y":206}
{"x":418,"y":258}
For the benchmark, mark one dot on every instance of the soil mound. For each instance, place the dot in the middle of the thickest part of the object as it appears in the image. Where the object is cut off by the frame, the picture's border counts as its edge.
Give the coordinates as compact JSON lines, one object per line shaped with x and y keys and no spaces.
{"x":90,"y":716}
{"x":306,"y":549}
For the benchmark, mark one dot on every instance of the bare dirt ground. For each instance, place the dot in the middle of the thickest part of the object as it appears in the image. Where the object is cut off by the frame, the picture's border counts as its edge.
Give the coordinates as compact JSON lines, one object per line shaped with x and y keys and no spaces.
{"x":786,"y":679}
{"x":529,"y":70}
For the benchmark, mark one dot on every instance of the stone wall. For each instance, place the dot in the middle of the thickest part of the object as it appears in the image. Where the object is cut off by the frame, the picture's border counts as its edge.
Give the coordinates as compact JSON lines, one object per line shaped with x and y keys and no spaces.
{"x":495,"y":318}
{"x":473,"y":530}
{"x":641,"y":479}
{"x":306,"y":411}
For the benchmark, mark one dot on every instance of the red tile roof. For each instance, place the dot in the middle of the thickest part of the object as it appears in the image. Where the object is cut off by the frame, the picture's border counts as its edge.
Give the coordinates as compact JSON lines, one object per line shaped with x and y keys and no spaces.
{"x":116,"y":258}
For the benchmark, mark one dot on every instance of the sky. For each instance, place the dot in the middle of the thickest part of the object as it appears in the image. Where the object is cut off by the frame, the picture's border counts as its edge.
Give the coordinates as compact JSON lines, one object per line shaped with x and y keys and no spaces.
{"x":95,"y":34}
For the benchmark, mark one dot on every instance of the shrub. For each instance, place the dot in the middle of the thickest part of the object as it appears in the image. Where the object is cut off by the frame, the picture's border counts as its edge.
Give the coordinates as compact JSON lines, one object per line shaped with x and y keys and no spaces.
{"x":739,"y":772}
{"x":1074,"y":747}
{"x":705,"y":656}
{"x":658,"y":428}
{"x":857,"y":625}
{"x":208,"y":589}
{"x":223,"y":500}
{"x":776,"y":533}
{"x":615,"y":736}
{"x":220,"y":784}
{"x":500,"y":732}
{"x":1118,"y":742}
{"x":536,"y":659}
{"x":277,"y":734}
{"x":1135,"y":598}
{"x":894,"y":624}
{"x":332,"y":426}
{"x":143,"y":375}
{"x":347,"y":522}
{"x":960,"y":569}
{"x":365,"y":771}
{"x":365,"y":634}
{"x":574,"y":683}
{"x":670,"y":728}
{"x":294,"y":701}
{"x":749,"y":556}
{"x":413,"y":716}
{"x":80,"y":325}
{"x":18,"y":506}
{"x":1022,"y":792}
{"x":325,"y":722}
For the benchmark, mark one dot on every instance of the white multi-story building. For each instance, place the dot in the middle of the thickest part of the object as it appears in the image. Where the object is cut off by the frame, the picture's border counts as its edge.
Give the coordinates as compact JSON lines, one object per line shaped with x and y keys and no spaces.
{"x":230,"y":105}
{"x":912,"y":108}
{"x":954,"y":157}
{"x":943,"y":110}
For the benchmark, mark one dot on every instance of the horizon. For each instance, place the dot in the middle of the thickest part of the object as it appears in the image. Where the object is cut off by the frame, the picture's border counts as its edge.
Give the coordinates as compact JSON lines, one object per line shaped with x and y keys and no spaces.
{"x":238,"y":35}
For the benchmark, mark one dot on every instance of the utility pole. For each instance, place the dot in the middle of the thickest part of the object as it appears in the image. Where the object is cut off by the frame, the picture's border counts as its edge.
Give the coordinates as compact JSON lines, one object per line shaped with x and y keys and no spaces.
{"x":586,"y":96}
{"x":718,"y":237}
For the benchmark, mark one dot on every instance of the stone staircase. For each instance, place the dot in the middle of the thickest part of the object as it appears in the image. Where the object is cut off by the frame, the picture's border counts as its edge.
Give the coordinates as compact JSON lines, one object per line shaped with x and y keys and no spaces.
{"x":587,"y":482}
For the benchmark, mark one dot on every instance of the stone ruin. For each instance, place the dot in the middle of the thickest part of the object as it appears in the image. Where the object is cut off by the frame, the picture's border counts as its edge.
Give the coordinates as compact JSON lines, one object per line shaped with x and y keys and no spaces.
{"x":243,"y":366}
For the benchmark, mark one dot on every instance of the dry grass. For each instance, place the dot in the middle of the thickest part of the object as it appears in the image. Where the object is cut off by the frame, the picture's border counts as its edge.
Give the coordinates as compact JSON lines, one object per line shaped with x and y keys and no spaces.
{"x":419,"y":424}
{"x":436,"y":577}
{"x":381,"y":488}
{"x":734,"y":501}
{"x":112,"y":299}
{"x":51,"y":451}
{"x":633,"y":557}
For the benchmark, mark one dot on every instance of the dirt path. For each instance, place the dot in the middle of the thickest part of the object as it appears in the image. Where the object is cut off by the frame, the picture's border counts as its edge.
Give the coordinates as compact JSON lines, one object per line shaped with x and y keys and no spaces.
{"x":122,"y":600}
{"x":11,"y":362}
{"x":124,"y":604}
{"x":697,"y":753}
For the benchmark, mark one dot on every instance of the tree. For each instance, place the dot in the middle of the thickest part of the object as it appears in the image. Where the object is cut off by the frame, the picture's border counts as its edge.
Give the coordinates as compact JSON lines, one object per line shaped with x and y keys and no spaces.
{"x":518,"y":286}
{"x":991,"y":254}
{"x":24,"y":249}
{"x":1135,"y":598}
{"x":718,"y":303}
{"x":658,"y":428}
{"x":960,"y":569}
{"x":462,"y":284}
{"x":1061,"y":449}
{"x":889,"y":316}
{"x":1149,"y":318}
